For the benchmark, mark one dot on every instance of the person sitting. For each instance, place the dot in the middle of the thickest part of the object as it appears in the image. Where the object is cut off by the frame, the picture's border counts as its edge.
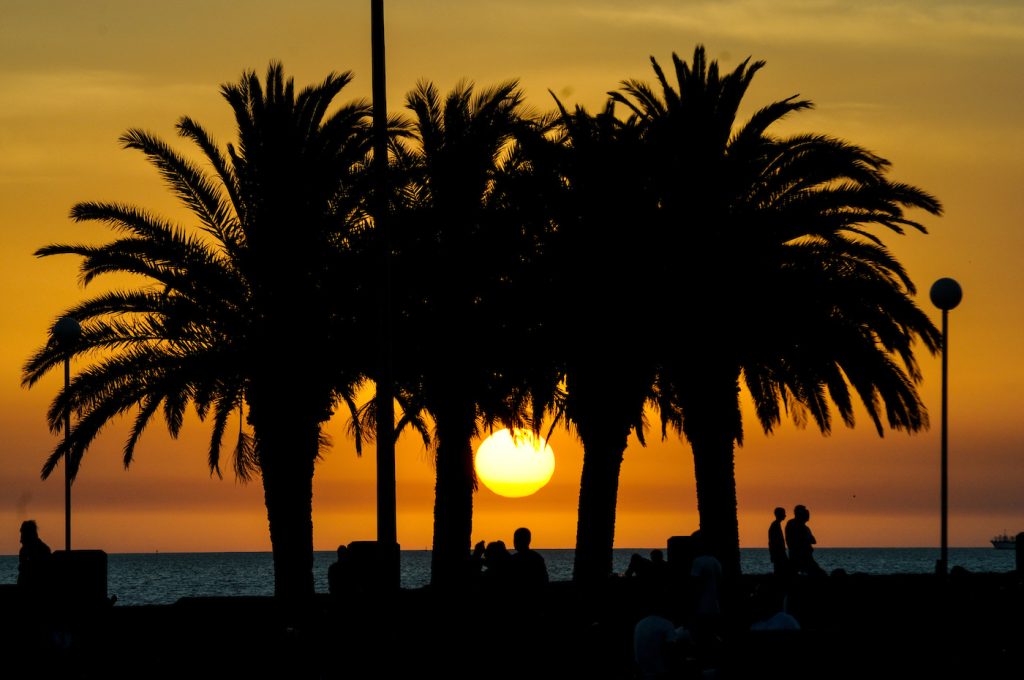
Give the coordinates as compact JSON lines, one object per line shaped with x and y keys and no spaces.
{"x":526,"y":567}
{"x":496,"y":565}
{"x":33,"y":559}
{"x":778,"y":621}
{"x":705,"y":579}
{"x":476,"y":563}
{"x":649,"y":574}
{"x":639,"y":567}
{"x":659,"y":568}
{"x":339,"y":573}
{"x":657,"y":646}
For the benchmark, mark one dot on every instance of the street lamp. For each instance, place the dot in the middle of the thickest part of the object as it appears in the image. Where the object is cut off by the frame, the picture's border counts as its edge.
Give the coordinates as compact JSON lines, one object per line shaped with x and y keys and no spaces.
{"x":65,"y":332}
{"x":946,"y":294}
{"x":387,"y":529}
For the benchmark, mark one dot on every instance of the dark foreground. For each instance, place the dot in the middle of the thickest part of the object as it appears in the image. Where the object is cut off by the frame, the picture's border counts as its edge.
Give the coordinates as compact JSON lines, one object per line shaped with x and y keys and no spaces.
{"x":969,"y":626}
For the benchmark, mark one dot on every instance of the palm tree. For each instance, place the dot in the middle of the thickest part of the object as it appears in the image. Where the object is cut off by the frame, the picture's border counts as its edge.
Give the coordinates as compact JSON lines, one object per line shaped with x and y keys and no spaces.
{"x":769,"y":265}
{"x":603,"y":211}
{"x":456,"y":249}
{"x":252,"y":307}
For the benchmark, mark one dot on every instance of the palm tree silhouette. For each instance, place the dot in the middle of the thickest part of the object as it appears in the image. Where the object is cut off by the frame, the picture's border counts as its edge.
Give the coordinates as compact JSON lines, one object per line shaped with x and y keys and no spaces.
{"x":240,"y":310}
{"x":604,"y":210}
{"x":769,"y":267}
{"x":456,"y":246}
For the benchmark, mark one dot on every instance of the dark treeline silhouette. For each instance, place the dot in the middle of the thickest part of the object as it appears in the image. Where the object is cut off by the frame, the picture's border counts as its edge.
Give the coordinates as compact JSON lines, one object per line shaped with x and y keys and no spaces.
{"x":578,"y":265}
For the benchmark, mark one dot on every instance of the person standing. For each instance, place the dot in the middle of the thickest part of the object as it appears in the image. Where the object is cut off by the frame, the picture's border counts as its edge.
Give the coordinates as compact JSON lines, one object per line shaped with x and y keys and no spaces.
{"x":801,"y":544}
{"x":777,"y":544}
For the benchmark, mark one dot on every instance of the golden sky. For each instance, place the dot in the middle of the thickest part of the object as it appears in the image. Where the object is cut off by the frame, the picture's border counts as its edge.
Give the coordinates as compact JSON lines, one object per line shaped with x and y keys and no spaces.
{"x":937,"y":87}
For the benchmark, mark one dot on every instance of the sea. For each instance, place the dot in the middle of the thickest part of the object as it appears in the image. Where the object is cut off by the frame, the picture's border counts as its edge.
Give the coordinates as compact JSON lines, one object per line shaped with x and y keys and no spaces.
{"x":164,"y":578}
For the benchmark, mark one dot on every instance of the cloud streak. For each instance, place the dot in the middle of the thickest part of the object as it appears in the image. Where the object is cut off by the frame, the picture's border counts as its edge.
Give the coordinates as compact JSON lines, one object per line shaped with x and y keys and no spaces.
{"x":825,"y":22}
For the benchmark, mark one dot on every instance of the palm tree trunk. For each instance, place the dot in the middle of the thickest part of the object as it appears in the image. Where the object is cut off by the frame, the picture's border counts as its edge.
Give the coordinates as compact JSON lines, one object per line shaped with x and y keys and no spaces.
{"x":453,"y":498}
{"x":713,"y":463}
{"x":712,"y":423}
{"x":599,"y":490}
{"x":287,"y":455}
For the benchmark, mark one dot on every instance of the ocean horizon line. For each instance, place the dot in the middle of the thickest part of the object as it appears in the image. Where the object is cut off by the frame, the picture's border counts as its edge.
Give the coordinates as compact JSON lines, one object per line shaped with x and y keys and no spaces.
{"x":570,"y":549}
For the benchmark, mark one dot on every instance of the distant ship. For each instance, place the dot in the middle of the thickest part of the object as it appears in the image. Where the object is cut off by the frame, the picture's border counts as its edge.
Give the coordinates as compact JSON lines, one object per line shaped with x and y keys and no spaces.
{"x":1004,"y":542}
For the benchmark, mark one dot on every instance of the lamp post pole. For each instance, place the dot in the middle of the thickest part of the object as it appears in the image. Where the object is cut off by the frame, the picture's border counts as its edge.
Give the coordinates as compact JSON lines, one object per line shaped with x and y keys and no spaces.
{"x":946,"y":295}
{"x":65,"y":331}
{"x":387,"y":534}
{"x":67,"y":466}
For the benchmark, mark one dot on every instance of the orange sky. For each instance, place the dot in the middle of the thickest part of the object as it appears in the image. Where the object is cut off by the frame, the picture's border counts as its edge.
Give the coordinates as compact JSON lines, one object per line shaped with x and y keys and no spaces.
{"x":935,"y":87}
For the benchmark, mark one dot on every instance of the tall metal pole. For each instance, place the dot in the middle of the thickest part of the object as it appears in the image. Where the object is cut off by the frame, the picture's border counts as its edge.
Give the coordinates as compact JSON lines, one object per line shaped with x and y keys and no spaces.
{"x":64,"y":333}
{"x":67,"y":453}
{"x":945,"y":294}
{"x":387,"y":523}
{"x":944,"y":552}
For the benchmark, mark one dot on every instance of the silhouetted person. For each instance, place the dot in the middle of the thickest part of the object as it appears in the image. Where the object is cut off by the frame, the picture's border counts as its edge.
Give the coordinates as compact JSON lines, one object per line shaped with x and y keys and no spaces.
{"x":649,"y":574}
{"x":339,"y":574}
{"x":476,"y":562}
{"x":706,"y":580}
{"x":33,"y":559}
{"x":497,"y":565}
{"x":35,"y":611}
{"x":527,"y":567}
{"x":706,"y":577}
{"x":777,"y":544}
{"x":639,"y":567}
{"x":659,"y":568}
{"x":656,"y":643}
{"x":801,"y":544}
{"x":777,"y":621}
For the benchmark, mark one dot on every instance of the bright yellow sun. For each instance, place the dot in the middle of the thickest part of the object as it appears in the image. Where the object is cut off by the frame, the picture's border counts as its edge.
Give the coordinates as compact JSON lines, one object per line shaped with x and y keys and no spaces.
{"x":514,"y":463}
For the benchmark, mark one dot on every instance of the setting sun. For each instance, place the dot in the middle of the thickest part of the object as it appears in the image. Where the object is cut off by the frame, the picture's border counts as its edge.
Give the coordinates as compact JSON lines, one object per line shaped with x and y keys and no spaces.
{"x":514,"y":463}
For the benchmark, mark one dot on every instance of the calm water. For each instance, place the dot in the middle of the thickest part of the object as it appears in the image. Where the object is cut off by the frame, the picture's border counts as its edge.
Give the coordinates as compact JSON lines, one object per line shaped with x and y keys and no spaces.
{"x":163,"y":578}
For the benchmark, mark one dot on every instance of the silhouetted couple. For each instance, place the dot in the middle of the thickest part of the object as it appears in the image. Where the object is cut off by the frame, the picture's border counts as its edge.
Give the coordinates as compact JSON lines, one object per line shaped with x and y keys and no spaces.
{"x":653,"y":569}
{"x":492,"y":565}
{"x":798,"y":539}
{"x":499,"y":569}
